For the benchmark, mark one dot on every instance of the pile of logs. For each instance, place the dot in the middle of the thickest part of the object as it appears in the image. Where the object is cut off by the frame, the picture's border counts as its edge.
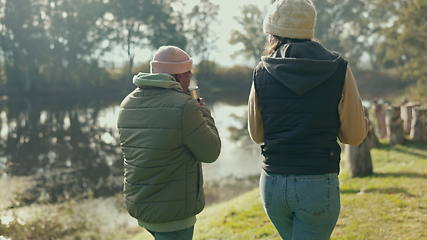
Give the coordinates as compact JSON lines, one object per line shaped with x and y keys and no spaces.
{"x":396,"y":122}
{"x":387,"y":121}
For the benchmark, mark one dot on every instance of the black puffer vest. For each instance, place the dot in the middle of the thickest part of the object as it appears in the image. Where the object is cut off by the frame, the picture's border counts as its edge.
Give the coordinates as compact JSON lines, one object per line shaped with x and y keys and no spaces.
{"x":299,"y":96}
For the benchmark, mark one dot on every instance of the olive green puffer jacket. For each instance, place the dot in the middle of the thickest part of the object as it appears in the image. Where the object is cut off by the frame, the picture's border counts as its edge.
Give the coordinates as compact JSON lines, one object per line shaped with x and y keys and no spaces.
{"x":164,"y":136}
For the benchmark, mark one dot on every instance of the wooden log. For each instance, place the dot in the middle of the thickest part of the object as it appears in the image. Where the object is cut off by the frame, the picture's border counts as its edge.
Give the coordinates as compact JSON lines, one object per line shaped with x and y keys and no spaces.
{"x":406,"y":116}
{"x":359,"y":157}
{"x":371,"y":138}
{"x":359,"y":161}
{"x":419,"y":124}
{"x":380,"y":126}
{"x":394,"y":125}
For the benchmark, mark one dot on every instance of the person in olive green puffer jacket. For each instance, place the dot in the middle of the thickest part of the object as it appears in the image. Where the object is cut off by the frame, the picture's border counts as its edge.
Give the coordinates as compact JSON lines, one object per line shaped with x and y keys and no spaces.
{"x":165,"y":135}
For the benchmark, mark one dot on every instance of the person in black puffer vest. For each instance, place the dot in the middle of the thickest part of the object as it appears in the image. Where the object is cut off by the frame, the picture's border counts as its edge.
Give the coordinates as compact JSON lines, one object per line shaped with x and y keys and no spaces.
{"x":302,"y":99}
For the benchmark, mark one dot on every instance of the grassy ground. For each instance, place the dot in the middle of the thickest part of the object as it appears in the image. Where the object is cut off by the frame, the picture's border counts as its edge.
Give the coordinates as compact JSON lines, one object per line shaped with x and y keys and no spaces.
{"x":85,"y":219}
{"x":391,"y":204}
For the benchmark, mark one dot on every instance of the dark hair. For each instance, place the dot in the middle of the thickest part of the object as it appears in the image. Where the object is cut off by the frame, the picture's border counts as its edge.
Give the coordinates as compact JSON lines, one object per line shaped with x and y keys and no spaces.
{"x":274,"y":42}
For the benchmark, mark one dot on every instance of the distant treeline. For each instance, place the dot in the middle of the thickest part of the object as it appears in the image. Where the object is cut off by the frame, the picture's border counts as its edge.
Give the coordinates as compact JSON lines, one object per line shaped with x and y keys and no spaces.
{"x":383,"y":37}
{"x":232,"y":84}
{"x":56,"y":46}
{"x":217,"y":83}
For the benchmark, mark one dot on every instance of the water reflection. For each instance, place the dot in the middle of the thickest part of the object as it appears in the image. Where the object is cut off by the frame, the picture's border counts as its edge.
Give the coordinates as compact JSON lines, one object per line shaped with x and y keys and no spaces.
{"x":239,"y":156}
{"x":62,"y":145}
{"x":71,"y":149}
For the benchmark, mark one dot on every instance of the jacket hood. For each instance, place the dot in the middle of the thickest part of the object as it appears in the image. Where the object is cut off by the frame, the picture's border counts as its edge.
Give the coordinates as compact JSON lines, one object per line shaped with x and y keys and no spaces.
{"x":159,"y":80}
{"x":301,"y":66}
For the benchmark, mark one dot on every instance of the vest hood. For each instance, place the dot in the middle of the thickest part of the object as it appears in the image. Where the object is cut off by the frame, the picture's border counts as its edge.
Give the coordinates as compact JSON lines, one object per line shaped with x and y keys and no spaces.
{"x":302,"y":66}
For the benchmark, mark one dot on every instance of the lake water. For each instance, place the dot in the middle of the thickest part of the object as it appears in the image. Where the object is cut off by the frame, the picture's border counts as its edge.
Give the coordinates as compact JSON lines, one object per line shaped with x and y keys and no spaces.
{"x":70,"y":149}
{"x":239,"y":157}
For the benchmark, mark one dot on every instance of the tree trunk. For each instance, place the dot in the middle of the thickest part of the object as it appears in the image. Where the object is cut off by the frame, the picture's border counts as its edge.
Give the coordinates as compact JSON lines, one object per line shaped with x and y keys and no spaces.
{"x":380,"y":125}
{"x":371,"y":138}
{"x":131,"y":55}
{"x":130,"y":69}
{"x":394,"y":125}
{"x":406,"y":116}
{"x":27,"y":82}
{"x":359,"y":159}
{"x":419,"y":124}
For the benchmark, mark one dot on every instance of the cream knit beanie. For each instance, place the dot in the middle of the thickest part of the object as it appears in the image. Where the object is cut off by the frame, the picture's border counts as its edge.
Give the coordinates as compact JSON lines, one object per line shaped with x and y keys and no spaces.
{"x":291,"y":19}
{"x":172,"y":60}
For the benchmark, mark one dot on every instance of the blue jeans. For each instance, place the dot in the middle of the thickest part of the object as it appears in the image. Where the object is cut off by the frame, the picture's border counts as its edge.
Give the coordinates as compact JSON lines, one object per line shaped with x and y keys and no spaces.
{"x":185,"y":234}
{"x":301,"y":207}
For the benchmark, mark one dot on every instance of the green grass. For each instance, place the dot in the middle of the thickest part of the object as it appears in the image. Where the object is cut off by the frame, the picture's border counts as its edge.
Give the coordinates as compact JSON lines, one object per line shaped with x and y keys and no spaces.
{"x":391,"y":204}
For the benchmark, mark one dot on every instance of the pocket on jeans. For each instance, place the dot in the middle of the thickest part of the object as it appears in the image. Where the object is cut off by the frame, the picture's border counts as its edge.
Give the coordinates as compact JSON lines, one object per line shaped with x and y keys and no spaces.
{"x":313,"y":194}
{"x":267,"y":184}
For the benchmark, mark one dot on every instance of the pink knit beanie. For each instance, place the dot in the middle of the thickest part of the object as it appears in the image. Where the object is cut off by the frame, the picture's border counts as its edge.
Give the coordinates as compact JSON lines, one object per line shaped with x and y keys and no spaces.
{"x":172,"y":60}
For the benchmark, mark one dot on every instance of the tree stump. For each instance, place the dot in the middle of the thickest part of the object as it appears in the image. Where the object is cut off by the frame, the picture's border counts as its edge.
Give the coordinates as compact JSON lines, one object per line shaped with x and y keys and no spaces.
{"x":394,"y":125}
{"x":359,"y":157}
{"x":406,"y":116}
{"x":371,"y":138}
{"x":380,"y":125}
{"x":419,"y":124}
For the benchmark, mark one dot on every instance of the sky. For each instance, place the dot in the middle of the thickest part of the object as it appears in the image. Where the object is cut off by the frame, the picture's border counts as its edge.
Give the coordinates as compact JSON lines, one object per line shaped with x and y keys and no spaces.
{"x":226,"y":22}
{"x":228,"y":9}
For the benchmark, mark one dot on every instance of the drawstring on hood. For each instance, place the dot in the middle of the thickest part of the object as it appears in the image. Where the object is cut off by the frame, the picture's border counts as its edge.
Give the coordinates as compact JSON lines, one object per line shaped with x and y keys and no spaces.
{"x":302,"y":66}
